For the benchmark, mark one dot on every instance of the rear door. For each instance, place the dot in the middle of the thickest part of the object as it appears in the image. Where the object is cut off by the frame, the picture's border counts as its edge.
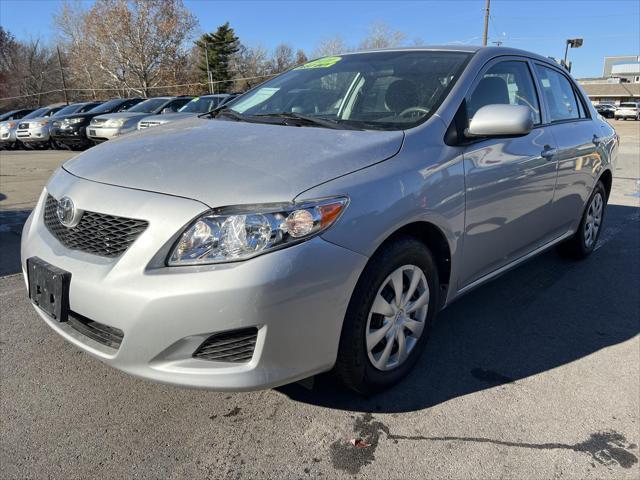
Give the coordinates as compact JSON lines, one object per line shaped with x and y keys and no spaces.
{"x":578,"y":140}
{"x":509,"y":181}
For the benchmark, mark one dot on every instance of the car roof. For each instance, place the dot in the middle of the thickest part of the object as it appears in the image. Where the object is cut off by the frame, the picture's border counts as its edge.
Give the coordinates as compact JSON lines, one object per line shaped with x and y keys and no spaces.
{"x":472,"y":49}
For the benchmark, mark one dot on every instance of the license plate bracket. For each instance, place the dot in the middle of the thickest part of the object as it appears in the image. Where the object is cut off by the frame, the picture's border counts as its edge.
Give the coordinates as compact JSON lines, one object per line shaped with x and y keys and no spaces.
{"x":49,"y":288}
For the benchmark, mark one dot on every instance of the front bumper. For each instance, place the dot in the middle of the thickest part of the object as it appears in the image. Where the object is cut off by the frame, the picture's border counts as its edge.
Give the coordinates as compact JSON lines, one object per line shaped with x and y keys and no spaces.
{"x":7,"y":135}
{"x":102,"y":134}
{"x":33,"y":134}
{"x":296,"y":297}
{"x":70,"y":135}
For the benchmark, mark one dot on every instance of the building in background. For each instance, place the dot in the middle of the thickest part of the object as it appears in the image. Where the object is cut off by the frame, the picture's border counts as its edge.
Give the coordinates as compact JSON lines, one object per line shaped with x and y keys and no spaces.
{"x":620,"y":81}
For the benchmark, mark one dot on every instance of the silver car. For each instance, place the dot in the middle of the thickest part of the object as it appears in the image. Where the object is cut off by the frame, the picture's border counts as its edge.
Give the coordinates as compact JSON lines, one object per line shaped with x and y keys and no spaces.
{"x":33,"y":129}
{"x":106,"y":127}
{"x":321,"y":221}
{"x":197,"y":106}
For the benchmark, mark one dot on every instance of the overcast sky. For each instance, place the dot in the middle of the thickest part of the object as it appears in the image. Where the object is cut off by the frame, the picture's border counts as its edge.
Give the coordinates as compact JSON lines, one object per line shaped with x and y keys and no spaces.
{"x":609,"y":27}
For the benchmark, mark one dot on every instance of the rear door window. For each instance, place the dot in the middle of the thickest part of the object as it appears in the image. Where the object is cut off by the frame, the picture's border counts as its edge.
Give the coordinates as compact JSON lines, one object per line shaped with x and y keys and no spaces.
{"x":559,"y":95}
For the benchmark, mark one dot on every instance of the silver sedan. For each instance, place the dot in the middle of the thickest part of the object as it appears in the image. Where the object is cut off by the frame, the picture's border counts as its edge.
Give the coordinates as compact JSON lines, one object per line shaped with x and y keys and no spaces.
{"x":322,"y":221}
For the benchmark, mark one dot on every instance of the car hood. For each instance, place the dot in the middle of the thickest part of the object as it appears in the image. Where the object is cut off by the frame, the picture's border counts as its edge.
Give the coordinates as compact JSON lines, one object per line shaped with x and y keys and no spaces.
{"x":169,"y":117}
{"x":33,"y":120}
{"x":220,"y":162}
{"x":126,"y":115}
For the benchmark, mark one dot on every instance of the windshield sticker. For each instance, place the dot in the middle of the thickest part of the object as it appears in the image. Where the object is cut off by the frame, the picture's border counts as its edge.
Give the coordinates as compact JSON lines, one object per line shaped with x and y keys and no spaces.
{"x":260,"y":96}
{"x":325,"y":62}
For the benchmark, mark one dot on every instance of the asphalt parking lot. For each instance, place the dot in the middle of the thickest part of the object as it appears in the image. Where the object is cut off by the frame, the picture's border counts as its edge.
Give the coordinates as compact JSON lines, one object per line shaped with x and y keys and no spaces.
{"x":535,"y":375}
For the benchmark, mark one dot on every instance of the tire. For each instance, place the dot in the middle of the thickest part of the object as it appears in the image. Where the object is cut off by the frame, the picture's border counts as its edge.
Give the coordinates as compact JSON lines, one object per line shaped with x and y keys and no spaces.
{"x":354,"y":365}
{"x":581,"y":245}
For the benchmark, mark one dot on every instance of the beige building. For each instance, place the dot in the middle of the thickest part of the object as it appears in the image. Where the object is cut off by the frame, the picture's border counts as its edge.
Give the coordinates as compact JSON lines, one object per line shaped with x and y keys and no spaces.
{"x":620,"y":81}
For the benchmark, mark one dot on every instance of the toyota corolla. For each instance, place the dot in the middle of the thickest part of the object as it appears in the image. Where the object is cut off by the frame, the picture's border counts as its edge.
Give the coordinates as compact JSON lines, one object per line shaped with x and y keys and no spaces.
{"x":322,"y":220}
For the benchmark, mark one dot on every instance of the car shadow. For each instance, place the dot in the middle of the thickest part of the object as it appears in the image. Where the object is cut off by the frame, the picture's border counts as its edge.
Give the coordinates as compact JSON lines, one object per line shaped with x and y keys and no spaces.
{"x":540,"y":316}
{"x":11,"y":223}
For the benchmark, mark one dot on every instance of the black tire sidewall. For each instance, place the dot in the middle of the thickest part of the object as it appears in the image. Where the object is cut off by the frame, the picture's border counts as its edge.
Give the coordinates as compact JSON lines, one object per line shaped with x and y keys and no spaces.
{"x":599,"y":188}
{"x":363,"y":376}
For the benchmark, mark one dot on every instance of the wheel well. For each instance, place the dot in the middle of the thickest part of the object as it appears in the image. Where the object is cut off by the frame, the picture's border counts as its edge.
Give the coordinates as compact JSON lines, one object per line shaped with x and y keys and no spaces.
{"x":436,"y":241}
{"x":607,"y":179}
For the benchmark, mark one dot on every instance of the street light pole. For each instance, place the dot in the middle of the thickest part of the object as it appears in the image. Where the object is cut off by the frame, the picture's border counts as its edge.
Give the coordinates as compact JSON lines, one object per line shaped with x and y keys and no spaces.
{"x":573,"y":43}
{"x":64,"y":83}
{"x":209,"y":78}
{"x":485,"y":33}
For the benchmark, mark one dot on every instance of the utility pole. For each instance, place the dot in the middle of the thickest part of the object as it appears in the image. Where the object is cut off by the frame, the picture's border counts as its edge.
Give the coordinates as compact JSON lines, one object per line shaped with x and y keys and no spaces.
{"x":486,"y":23}
{"x":209,"y":78}
{"x":64,"y":83}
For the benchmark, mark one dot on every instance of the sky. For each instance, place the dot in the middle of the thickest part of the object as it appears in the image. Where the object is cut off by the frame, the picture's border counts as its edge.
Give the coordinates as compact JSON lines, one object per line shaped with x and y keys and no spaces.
{"x":609,"y":27}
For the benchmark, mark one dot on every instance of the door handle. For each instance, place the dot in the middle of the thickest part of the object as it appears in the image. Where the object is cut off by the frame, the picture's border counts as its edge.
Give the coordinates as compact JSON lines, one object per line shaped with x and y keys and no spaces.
{"x":548,"y":153}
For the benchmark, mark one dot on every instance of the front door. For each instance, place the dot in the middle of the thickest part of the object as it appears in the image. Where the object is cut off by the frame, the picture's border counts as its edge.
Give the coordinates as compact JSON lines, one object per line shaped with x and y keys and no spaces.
{"x":510,"y":182}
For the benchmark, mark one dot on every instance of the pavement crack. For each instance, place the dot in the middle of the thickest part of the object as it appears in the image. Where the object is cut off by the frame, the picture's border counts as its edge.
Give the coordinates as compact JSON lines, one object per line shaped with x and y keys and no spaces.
{"x":608,"y":448}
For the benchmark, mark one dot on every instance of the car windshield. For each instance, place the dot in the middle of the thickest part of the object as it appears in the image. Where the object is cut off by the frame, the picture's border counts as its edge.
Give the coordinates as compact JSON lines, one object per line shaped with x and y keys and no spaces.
{"x":37,"y":113}
{"x":6,"y":115}
{"x":379,"y":90}
{"x":149,"y":106}
{"x":68,"y":110}
{"x":201,"y":104}
{"x":107,"y":106}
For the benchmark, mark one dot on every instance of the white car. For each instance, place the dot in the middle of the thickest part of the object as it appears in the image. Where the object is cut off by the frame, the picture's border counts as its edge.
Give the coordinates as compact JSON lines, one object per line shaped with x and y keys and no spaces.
{"x":627,"y":110}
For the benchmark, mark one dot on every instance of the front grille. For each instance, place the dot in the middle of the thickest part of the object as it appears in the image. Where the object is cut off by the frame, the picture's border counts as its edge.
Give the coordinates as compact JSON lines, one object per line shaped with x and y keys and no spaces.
{"x":101,"y":333}
{"x":97,"y":233}
{"x":23,"y":126}
{"x":234,"y":346}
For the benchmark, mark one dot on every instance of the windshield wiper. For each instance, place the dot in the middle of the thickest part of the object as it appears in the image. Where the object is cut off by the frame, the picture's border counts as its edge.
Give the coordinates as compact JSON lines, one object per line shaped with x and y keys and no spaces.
{"x":228,"y":112}
{"x":308,"y":119}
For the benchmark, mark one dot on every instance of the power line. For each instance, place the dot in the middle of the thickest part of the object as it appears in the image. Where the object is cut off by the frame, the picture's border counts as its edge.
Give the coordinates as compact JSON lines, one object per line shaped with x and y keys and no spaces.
{"x":58,"y":90}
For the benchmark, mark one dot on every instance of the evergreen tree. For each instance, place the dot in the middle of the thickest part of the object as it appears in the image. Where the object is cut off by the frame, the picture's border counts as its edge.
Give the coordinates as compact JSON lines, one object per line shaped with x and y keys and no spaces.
{"x":218,"y":47}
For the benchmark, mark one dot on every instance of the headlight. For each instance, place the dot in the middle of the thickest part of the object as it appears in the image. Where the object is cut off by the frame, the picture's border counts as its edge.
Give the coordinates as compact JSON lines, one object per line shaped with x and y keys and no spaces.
{"x":115,"y":123}
{"x":237,"y":233}
{"x":10,"y":125}
{"x":73,"y":121}
{"x":43,"y":123}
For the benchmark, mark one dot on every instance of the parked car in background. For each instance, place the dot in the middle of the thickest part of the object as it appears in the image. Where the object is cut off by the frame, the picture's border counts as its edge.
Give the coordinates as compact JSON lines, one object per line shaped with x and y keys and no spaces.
{"x":15,"y":114}
{"x":33,"y":131}
{"x":606,"y":110}
{"x":628,"y":110}
{"x":72,"y":130}
{"x":105,"y":127}
{"x":197,"y":106}
{"x":318,"y":222}
{"x":9,"y":125}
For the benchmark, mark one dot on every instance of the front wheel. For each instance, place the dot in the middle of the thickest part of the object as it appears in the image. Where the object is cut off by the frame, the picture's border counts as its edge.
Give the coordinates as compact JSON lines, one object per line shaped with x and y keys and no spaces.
{"x":389,"y":317}
{"x":584,"y":241}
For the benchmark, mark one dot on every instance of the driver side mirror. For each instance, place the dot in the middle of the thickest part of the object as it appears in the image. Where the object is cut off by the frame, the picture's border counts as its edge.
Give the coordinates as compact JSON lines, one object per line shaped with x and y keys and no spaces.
{"x":166,"y":110}
{"x":501,"y":121}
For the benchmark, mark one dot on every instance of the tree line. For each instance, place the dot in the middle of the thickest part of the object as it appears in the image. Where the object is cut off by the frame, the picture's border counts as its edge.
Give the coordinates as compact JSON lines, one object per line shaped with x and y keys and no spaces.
{"x":145,"y":48}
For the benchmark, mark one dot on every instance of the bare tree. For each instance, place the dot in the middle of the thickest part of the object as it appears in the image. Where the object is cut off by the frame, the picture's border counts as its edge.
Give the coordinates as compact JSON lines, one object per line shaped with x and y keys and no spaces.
{"x":282,"y":58}
{"x":330,"y":46}
{"x":380,"y":35}
{"x":251,"y":66}
{"x":301,"y":57}
{"x":134,"y":45}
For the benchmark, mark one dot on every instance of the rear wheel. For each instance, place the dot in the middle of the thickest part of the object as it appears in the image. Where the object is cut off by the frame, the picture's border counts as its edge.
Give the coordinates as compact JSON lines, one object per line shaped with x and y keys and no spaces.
{"x":389,"y":317}
{"x":584,"y":241}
